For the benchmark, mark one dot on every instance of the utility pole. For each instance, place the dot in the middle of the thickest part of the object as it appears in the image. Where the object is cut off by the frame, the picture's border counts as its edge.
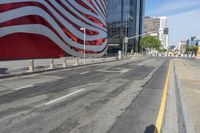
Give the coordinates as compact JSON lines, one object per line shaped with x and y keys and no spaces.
{"x":125,"y":41}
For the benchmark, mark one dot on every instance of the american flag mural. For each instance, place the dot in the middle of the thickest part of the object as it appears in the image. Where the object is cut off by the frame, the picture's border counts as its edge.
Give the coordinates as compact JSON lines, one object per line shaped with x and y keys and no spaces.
{"x":51,"y":28}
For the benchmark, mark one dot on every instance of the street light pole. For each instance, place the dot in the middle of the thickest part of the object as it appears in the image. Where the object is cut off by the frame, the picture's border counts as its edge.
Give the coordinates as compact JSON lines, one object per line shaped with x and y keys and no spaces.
{"x":126,"y":36}
{"x":127,"y":18}
{"x":84,"y":36}
{"x":140,"y":35}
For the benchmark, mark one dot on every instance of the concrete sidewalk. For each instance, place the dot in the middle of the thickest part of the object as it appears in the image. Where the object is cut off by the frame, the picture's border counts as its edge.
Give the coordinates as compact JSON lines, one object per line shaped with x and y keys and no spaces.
{"x":188,"y":73}
{"x":22,"y":66}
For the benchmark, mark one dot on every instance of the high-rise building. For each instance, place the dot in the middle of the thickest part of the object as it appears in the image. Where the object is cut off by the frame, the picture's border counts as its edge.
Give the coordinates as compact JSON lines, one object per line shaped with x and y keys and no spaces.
{"x":155,"y":26}
{"x":125,"y":18}
{"x":164,"y":38}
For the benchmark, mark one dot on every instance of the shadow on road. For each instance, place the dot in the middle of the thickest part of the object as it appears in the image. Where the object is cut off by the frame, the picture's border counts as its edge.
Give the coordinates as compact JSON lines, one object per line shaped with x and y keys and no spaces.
{"x":151,"y":129}
{"x":3,"y":71}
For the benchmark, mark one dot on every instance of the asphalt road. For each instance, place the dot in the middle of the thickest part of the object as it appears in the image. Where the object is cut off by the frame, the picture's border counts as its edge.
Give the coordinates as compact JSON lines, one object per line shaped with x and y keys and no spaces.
{"x":116,"y":97}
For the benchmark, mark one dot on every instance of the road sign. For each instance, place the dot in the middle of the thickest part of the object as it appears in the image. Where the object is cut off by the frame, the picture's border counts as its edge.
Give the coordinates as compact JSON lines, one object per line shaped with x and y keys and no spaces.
{"x":125,"y":39}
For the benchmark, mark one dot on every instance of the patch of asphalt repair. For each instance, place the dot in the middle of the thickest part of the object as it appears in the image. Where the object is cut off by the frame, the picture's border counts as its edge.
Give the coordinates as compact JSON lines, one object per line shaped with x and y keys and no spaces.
{"x":87,"y":116}
{"x":103,"y":120}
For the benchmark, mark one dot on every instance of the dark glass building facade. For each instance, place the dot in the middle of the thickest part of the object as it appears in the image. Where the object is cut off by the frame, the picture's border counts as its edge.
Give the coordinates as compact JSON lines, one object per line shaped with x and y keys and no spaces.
{"x":125,"y":18}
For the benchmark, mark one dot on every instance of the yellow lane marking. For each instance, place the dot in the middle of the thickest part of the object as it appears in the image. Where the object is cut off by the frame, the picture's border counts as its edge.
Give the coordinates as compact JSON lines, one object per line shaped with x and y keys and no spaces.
{"x":163,"y":103}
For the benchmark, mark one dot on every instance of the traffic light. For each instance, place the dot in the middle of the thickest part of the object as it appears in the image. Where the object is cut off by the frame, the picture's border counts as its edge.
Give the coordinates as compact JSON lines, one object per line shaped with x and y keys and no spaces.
{"x":166,"y":31}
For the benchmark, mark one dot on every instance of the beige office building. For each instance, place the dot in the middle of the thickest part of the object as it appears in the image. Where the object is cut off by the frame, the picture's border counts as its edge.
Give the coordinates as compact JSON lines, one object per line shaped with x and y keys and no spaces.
{"x":155,"y":26}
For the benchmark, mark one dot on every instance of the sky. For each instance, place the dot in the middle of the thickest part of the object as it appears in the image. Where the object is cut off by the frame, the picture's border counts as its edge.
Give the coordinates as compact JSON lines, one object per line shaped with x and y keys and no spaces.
{"x":183,"y":17}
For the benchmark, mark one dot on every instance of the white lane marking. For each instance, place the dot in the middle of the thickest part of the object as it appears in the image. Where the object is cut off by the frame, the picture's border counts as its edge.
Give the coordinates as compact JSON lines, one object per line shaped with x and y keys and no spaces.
{"x":124,"y":71}
{"x":114,"y":70}
{"x":107,"y":71}
{"x":63,"y":97}
{"x":84,"y":72}
{"x":23,"y":87}
{"x":105,"y":80}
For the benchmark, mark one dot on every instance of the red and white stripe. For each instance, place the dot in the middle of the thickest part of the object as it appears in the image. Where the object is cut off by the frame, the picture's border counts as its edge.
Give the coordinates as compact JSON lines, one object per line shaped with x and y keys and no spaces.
{"x":46,"y":28}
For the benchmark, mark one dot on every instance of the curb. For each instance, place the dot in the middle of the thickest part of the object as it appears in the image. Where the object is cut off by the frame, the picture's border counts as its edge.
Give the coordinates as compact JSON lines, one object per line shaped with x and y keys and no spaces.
{"x":56,"y":69}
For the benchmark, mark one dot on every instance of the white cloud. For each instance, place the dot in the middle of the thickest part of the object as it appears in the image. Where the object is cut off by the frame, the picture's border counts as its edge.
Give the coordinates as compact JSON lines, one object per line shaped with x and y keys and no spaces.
{"x":184,"y":25}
